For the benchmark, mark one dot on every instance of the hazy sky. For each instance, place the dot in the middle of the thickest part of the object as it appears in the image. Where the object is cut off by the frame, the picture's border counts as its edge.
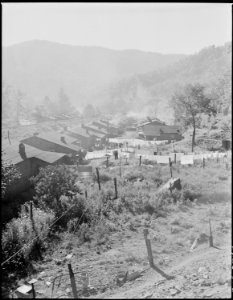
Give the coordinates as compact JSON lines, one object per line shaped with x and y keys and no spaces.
{"x":157,"y":27}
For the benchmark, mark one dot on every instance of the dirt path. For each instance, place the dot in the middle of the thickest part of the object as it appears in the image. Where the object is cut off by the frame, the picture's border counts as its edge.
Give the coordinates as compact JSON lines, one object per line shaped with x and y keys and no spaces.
{"x":202,"y":274}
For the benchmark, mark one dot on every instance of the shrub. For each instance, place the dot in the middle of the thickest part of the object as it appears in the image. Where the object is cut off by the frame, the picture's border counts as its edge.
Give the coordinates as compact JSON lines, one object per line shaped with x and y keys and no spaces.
{"x":56,"y":189}
{"x":19,"y":232}
{"x":52,"y":182}
{"x":10,"y":175}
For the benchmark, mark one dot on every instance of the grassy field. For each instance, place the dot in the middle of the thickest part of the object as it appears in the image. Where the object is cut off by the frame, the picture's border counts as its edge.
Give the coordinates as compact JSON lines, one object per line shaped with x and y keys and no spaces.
{"x":115,"y":244}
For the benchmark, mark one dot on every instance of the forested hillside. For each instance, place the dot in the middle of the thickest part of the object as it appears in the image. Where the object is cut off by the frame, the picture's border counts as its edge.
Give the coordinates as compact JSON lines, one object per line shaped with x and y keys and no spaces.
{"x":41,"y":68}
{"x":152,"y":91}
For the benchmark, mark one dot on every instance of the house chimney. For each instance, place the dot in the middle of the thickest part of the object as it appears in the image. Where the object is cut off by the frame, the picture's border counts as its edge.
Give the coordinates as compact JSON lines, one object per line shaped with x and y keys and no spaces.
{"x":63,"y":139}
{"x":22,"y":151}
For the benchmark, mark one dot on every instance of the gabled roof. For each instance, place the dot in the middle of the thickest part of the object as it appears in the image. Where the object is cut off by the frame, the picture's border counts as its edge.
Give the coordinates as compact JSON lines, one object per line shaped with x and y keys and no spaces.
{"x":151,"y":122}
{"x":95,"y":128}
{"x":11,"y":154}
{"x":169,"y":129}
{"x":151,"y":131}
{"x":78,"y":130}
{"x":55,"y":138}
{"x":96,"y":134}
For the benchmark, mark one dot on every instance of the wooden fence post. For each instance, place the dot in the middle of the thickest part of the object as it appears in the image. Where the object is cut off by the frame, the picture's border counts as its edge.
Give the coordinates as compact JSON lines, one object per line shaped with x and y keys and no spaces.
{"x":120,"y":166}
{"x":33,"y":287}
{"x":211,"y":236}
{"x":140,"y":160}
{"x":86,"y":194}
{"x":148,"y":246}
{"x":175,"y":158}
{"x":72,"y":280}
{"x":98,"y":178}
{"x":31,"y":211}
{"x":203,"y":162}
{"x":170,"y":165}
{"x":8,"y":135}
{"x":115,"y":184}
{"x":107,"y":162}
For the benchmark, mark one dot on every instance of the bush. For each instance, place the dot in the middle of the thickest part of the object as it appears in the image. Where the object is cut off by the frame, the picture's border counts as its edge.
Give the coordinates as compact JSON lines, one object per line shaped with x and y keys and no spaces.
{"x":56,"y":189}
{"x":19,"y":232}
{"x":10,"y":175}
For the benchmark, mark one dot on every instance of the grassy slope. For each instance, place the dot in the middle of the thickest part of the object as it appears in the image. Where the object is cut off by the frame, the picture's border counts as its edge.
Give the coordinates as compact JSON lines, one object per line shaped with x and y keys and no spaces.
{"x":118,"y":245}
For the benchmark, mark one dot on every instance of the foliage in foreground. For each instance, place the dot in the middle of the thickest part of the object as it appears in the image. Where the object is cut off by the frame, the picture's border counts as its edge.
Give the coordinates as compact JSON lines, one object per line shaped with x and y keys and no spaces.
{"x":10,"y":175}
{"x":20,"y":232}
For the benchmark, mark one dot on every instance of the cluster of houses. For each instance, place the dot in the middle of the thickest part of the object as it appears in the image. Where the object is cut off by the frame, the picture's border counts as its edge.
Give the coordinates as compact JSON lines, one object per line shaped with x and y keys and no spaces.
{"x":71,"y":145}
{"x":66,"y":147}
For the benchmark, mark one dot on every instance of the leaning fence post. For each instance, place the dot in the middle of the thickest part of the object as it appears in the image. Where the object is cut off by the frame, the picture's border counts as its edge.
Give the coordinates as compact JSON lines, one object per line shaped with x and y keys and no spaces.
{"x":115,"y":184}
{"x":211,"y":236}
{"x":98,"y":178}
{"x":8,"y":135}
{"x":148,"y":246}
{"x":72,"y":280}
{"x":170,"y":165}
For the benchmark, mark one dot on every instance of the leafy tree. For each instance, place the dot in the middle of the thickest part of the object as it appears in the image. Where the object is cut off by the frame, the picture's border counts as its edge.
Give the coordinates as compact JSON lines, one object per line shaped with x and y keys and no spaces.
{"x":51,"y":184}
{"x":10,"y":175}
{"x":190,"y":104}
{"x":89,"y":111}
{"x":63,"y":102}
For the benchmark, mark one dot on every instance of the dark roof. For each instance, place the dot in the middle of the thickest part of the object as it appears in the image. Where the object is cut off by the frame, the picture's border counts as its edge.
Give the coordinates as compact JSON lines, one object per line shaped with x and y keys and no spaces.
{"x":96,"y":134}
{"x":100,"y":123}
{"x":95,"y":128}
{"x":78,"y":130}
{"x":151,"y":122}
{"x":11,"y":154}
{"x":55,"y":137}
{"x":169,"y":129}
{"x":152,"y":131}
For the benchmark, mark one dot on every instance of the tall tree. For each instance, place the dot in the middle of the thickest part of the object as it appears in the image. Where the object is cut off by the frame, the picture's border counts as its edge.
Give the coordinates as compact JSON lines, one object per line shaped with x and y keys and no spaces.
{"x":89,"y":111}
{"x":64,"y":102}
{"x":190,"y":104}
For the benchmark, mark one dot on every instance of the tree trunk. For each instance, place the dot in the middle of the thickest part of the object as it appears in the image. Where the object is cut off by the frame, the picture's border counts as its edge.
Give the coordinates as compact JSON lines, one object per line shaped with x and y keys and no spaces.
{"x":193,"y":137}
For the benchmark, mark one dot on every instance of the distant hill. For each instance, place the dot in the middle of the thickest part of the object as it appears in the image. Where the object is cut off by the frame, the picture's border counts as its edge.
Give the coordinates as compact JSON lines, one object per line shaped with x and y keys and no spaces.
{"x":152,"y":92}
{"x":40,"y":68}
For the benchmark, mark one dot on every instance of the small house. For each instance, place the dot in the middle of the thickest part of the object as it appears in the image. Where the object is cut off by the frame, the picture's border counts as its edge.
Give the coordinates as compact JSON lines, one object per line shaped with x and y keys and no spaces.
{"x":29,"y":160}
{"x":158,"y":131}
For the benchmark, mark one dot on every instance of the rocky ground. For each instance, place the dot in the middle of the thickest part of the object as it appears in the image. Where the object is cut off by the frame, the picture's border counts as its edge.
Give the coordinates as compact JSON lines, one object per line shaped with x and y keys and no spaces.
{"x":203,"y":272}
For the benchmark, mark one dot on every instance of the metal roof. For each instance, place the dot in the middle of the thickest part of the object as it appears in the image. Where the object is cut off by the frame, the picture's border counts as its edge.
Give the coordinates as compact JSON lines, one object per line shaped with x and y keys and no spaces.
{"x":10,"y":154}
{"x":151,"y":122}
{"x":95,"y":128}
{"x":55,"y":137}
{"x":78,"y":130}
